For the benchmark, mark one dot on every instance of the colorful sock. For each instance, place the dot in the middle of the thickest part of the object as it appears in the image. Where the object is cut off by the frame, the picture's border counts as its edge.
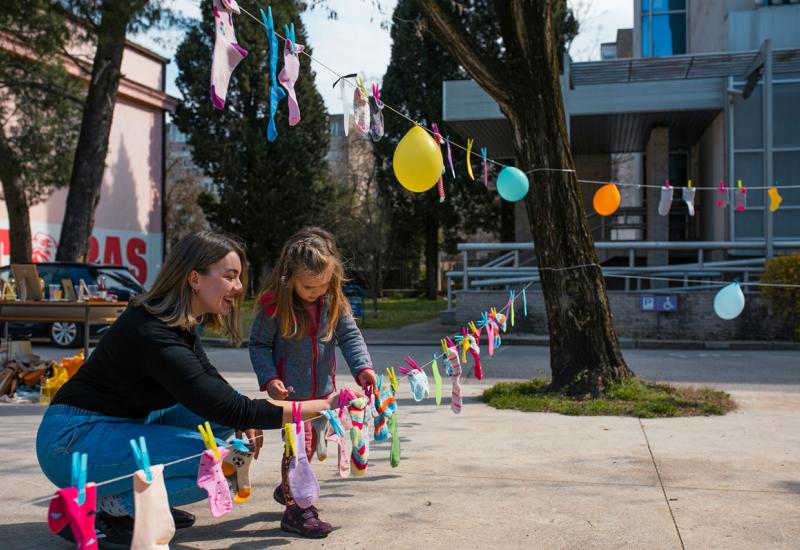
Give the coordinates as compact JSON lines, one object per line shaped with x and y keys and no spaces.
{"x":475,"y":351}
{"x":722,"y":196}
{"x":740,"y":198}
{"x":212,"y":480}
{"x":359,"y":458}
{"x":290,"y":73}
{"x":688,"y":198}
{"x":394,"y":454}
{"x":376,"y":114}
{"x":302,"y":481}
{"x":64,"y":510}
{"x":320,"y":426}
{"x":361,"y":108}
{"x":417,"y":379}
{"x":276,"y":93}
{"x":775,"y":199}
{"x":237,"y":467}
{"x":153,"y":526}
{"x":227,"y":52}
{"x":454,"y":372}
{"x":385,"y":407}
{"x":666,"y":200}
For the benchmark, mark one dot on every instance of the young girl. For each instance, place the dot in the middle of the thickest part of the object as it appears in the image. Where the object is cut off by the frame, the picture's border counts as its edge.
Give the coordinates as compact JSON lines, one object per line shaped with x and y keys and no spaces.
{"x":302,"y":314}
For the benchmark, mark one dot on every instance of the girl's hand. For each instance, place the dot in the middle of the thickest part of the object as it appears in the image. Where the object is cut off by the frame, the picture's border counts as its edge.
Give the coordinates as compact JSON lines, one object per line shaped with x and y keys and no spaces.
{"x":367,"y":378}
{"x":276,"y":390}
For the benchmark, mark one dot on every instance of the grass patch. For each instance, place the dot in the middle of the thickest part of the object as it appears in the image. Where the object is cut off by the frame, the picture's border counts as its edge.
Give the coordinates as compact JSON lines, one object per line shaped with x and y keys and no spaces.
{"x":392,"y":313}
{"x":398,"y":312}
{"x":632,"y":397}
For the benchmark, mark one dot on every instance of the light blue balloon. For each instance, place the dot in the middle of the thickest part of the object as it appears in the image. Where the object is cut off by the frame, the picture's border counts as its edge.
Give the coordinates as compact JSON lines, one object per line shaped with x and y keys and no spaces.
{"x":512,"y":184}
{"x":729,"y":302}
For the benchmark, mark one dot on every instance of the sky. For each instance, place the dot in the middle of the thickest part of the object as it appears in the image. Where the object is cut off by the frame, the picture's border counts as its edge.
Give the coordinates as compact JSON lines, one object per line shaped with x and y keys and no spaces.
{"x":355,"y":42}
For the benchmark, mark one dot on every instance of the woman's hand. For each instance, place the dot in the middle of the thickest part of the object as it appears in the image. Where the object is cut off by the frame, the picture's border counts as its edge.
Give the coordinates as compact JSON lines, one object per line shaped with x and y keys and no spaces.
{"x":276,"y":389}
{"x":256,"y":437}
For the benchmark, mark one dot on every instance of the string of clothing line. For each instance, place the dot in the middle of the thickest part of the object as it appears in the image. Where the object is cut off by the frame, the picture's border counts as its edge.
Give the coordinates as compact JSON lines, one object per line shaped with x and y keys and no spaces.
{"x":354,"y":85}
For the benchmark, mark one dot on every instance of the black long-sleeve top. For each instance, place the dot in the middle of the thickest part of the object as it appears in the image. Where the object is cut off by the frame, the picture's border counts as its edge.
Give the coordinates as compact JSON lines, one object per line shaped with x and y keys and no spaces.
{"x":142,"y":365}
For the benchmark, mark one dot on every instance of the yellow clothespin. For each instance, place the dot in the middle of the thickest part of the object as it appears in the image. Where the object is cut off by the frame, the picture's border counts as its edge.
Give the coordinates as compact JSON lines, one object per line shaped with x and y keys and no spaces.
{"x":208,"y":439}
{"x":290,"y":445}
{"x":360,"y":84}
{"x":739,"y":183}
{"x":494,"y":313}
{"x":464,"y":348}
{"x":690,"y":184}
{"x":392,"y":379}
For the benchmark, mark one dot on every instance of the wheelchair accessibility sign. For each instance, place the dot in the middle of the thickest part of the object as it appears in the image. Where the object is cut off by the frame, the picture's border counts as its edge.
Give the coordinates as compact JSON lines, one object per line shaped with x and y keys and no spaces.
{"x":658,"y":302}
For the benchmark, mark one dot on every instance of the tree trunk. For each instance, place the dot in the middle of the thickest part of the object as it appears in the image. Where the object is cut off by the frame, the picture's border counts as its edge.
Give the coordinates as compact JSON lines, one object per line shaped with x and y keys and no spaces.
{"x":584,"y":350}
{"x":19,"y":223}
{"x":90,"y":153}
{"x":431,"y":256}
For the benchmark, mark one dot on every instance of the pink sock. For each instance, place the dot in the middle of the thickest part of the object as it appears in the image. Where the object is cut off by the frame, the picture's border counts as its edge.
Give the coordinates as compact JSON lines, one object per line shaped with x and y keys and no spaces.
{"x":211,"y":478}
{"x":64,"y":509}
{"x":227,"y":52}
{"x":288,"y":76}
{"x":344,"y":454}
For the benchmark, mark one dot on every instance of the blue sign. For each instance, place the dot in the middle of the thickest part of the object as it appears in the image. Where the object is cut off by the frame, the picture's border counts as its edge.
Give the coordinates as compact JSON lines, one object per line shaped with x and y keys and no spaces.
{"x":658,"y":302}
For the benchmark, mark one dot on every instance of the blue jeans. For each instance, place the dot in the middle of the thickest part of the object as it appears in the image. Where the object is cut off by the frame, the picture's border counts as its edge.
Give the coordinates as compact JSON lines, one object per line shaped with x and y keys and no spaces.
{"x":170,"y":434}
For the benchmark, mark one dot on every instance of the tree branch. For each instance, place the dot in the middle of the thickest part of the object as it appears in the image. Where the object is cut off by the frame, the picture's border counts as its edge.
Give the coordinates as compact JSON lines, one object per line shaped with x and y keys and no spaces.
{"x":487,"y":72}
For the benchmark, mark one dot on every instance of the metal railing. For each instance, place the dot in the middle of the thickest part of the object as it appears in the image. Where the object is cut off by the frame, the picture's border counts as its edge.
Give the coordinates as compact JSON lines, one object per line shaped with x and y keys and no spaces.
{"x":512,"y":267}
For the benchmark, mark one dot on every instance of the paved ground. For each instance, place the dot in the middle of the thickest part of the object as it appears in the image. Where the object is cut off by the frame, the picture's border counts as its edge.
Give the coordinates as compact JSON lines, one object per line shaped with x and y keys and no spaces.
{"x":504,"y":479}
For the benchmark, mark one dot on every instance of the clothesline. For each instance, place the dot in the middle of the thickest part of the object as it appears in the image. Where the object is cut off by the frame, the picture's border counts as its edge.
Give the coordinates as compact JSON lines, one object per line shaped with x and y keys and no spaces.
{"x":354,"y":85}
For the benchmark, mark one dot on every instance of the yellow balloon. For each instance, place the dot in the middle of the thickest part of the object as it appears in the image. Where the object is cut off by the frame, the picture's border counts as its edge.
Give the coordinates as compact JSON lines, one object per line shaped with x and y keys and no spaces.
{"x":606,"y":200}
{"x":417,"y":161}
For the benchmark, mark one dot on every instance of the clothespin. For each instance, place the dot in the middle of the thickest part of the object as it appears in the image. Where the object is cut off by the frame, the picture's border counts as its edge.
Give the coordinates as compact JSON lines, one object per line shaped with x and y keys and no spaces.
{"x":444,"y":347}
{"x":362,"y":86}
{"x":297,"y":414}
{"x":739,"y":185}
{"x":464,"y":345}
{"x":290,"y":446}
{"x":239,"y":445}
{"x":666,"y":184}
{"x":436,"y":135}
{"x":80,"y":462}
{"x":450,"y":155}
{"x":290,"y":36}
{"x":392,"y":379}
{"x":208,"y":439}
{"x":142,"y":457}
{"x":376,"y":92}
{"x":469,"y":158}
{"x":335,"y":424}
{"x":690,"y":184}
{"x":524,"y":303}
{"x":511,"y":307}
{"x":485,"y":167}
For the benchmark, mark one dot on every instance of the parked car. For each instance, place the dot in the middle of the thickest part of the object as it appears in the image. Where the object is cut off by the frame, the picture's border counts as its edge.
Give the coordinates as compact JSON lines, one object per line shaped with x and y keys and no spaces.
{"x":118,"y":281}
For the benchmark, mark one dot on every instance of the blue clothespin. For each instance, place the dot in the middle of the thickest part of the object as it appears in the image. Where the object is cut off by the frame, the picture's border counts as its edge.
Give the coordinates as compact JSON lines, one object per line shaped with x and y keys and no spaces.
{"x":240,"y":445}
{"x":335,"y":424}
{"x":290,"y":35}
{"x":142,"y":457}
{"x":484,"y":320}
{"x":80,"y":462}
{"x":524,"y":303}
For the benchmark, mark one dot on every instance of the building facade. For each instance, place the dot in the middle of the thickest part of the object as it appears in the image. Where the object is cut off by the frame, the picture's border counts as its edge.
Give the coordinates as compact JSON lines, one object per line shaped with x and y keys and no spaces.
{"x":128,"y":226}
{"x":669,"y":101}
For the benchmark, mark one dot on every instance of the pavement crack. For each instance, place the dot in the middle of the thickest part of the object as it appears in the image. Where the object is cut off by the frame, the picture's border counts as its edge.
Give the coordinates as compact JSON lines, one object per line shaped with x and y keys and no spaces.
{"x":661,"y":483}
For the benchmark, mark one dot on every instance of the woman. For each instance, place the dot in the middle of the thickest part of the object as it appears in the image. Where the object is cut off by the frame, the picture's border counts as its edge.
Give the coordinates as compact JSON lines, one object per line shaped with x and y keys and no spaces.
{"x":149,"y":376}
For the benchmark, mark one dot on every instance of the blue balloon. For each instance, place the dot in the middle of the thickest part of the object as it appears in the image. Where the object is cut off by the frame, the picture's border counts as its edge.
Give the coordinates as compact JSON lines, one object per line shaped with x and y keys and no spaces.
{"x":512,"y":184}
{"x":729,"y":302}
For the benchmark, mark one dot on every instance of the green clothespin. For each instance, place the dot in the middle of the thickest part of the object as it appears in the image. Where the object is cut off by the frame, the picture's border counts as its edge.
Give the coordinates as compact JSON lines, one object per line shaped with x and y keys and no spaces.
{"x":438,"y":380}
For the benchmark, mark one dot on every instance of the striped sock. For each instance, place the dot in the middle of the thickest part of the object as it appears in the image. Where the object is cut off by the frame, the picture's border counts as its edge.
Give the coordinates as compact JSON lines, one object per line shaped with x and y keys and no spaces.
{"x":359,"y":459}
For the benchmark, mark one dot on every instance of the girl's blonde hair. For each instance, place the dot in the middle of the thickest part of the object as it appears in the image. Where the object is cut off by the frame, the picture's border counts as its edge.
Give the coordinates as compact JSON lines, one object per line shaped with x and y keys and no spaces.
{"x":170,"y":297}
{"x":310,"y":251}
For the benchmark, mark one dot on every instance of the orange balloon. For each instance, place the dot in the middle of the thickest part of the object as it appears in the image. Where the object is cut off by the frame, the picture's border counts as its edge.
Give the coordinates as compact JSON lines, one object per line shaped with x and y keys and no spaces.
{"x":606,"y":200}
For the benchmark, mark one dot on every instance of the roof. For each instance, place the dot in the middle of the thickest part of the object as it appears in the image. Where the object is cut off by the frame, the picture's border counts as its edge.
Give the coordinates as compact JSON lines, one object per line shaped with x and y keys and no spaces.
{"x":678,"y":67}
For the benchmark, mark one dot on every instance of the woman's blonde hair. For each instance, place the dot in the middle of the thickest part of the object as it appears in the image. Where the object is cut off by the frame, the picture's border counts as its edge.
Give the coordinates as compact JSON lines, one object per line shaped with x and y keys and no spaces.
{"x":170,"y":297}
{"x":311,"y":251}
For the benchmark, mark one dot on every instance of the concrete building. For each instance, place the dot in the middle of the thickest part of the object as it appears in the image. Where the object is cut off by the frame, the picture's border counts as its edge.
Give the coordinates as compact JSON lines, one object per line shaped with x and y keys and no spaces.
{"x":666,"y":102}
{"x":128,"y":226}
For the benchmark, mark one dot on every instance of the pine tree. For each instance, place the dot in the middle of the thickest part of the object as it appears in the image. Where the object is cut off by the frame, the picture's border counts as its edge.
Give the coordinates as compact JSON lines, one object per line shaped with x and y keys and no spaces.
{"x":266,"y":190}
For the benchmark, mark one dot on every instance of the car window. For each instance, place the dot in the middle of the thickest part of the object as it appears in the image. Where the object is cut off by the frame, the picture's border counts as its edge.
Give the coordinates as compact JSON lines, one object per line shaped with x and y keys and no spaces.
{"x":118,"y":278}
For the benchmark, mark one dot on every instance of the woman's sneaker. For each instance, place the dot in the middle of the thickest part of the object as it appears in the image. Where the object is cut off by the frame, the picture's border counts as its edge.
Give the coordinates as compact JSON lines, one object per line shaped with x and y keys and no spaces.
{"x":305,"y":522}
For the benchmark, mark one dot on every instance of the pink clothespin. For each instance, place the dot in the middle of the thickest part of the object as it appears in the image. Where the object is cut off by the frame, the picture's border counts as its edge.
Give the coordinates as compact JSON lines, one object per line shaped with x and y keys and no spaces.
{"x":740,"y":197}
{"x":436,"y":135}
{"x":666,"y":184}
{"x":376,"y":92}
{"x":722,"y":199}
{"x":297,"y":414}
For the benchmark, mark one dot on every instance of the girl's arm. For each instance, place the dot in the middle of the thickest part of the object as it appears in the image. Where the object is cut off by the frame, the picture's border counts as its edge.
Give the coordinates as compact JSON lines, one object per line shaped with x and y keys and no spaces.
{"x":353,"y":347}
{"x":262,"y":338}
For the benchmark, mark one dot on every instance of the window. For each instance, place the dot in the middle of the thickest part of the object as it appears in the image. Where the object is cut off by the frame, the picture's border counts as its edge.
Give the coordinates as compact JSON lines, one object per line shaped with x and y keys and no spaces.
{"x":663,"y":27}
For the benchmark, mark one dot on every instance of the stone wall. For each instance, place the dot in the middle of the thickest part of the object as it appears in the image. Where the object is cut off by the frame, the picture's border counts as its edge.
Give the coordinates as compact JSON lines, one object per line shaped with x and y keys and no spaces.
{"x":694,"y":320}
